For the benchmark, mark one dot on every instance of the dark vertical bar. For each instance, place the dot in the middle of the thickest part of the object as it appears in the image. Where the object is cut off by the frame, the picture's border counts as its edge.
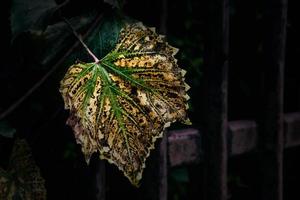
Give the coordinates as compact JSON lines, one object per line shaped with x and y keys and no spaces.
{"x":155,"y":181}
{"x":270,"y":121}
{"x":163,"y":162}
{"x":100,"y":182}
{"x":215,"y":74}
{"x":163,"y":170}
{"x":163,"y":16}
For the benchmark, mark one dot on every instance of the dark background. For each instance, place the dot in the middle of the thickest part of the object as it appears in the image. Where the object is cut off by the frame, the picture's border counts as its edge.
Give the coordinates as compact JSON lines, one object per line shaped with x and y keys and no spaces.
{"x":41,"y":118}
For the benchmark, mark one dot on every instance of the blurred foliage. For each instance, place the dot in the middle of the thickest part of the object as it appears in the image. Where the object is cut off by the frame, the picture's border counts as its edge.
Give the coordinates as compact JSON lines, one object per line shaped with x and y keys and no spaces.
{"x":116,"y":3}
{"x":178,"y":183}
{"x":22,"y":179}
{"x":6,"y":130}
{"x":31,"y":16}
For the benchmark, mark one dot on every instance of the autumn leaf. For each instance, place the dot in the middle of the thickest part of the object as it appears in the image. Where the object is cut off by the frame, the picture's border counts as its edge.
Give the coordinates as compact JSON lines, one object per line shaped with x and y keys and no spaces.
{"x":22,"y":180}
{"x":121,"y":104}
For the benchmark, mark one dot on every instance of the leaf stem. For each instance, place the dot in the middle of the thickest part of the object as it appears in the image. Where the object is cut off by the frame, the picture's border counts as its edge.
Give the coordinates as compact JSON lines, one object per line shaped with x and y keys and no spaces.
{"x":18,"y":102}
{"x":81,"y":41}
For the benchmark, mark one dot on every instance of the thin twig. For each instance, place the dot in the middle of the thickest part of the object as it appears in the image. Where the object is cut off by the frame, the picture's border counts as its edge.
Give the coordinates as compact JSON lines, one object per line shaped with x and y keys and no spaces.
{"x":16,"y":104}
{"x":63,"y":4}
{"x":81,"y":41}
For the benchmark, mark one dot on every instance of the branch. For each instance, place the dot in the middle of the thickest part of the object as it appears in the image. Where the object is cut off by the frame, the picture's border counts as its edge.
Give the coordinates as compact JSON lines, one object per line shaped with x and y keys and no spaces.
{"x":81,"y":41}
{"x":17,"y":103}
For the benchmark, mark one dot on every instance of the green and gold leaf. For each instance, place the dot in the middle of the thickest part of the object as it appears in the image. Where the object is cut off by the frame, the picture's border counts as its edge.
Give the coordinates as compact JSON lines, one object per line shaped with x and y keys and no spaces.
{"x":22,"y":180}
{"x":121,"y":105}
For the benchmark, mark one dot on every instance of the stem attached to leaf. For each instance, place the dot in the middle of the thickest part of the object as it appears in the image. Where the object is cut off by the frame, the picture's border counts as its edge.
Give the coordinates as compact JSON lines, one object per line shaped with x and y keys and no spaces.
{"x":81,"y":41}
{"x":18,"y":102}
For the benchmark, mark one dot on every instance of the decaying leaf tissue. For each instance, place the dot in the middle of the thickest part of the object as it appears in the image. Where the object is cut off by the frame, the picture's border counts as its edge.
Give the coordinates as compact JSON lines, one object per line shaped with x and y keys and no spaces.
{"x":120,"y":105}
{"x":22,"y":180}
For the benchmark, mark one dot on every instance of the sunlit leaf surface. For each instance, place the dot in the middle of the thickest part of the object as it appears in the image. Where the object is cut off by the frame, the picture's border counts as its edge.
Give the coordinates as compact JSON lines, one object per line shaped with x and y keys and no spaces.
{"x":122,"y":104}
{"x":22,"y":180}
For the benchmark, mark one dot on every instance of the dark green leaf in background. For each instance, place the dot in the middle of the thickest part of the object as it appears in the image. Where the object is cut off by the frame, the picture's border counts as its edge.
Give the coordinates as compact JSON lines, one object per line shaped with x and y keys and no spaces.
{"x":103,"y":39}
{"x":115,"y":3}
{"x":58,"y":37}
{"x":6,"y":130}
{"x":30,"y":15}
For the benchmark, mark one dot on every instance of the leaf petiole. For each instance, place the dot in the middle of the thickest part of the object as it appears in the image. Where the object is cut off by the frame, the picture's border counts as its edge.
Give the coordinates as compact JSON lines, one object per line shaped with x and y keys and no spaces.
{"x":96,"y":60}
